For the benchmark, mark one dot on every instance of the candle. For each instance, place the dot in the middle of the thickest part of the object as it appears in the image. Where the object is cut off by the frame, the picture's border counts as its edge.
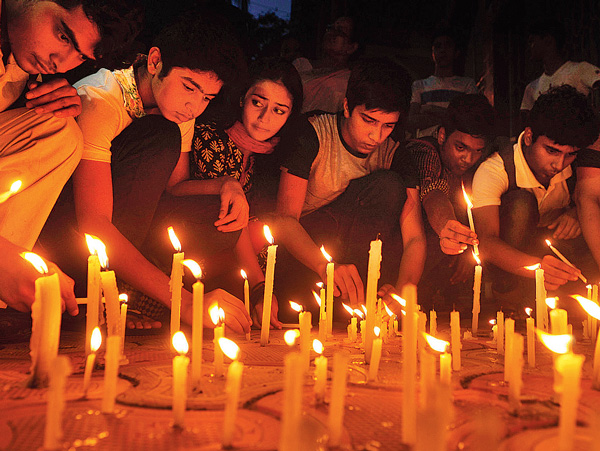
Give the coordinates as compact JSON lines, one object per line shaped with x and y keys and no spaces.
{"x":46,"y":313}
{"x":232,"y":389}
{"x":123,"y":325}
{"x":569,"y":366}
{"x":515,"y":381}
{"x":246,"y":296}
{"x":197,"y":321}
{"x":441,"y":346}
{"x":427,"y":373}
{"x":338,"y":393}
{"x":433,"y":323}
{"x":14,"y":187}
{"x":409,"y":373}
{"x":421,"y":325}
{"x":322,"y":318}
{"x":305,"y":322}
{"x":593,"y":310}
{"x":320,"y":372}
{"x":180,"y":370}
{"x":564,"y":259}
{"x":217,"y":315}
{"x":269,"y":280}
{"x":594,"y":325}
{"x":330,"y":272}
{"x":60,"y":368}
{"x":292,"y":396}
{"x":176,"y":282}
{"x":375,"y":356}
{"x":470,"y":215}
{"x":476,"y":295}
{"x":541,"y":312}
{"x":455,"y":339}
{"x":509,"y":333}
{"x":352,"y":327}
{"x":588,"y":325}
{"x":94,"y":293}
{"x":371,"y":294}
{"x":95,"y":342}
{"x":446,"y":368}
{"x":500,"y":332}
{"x":530,"y":339}
{"x":108,"y":283}
{"x":558,"y":321}
{"x":111,"y":372}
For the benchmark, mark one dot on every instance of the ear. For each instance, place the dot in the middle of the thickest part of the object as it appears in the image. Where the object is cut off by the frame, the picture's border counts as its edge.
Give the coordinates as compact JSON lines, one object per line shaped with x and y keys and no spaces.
{"x":527,"y":137}
{"x":441,"y":136}
{"x":352,"y":48}
{"x":346,"y":109}
{"x":154,"y":64}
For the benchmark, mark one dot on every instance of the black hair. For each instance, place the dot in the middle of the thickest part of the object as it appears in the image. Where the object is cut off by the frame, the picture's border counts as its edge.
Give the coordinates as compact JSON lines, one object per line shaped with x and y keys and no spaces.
{"x":471,"y":114}
{"x":563,"y":115}
{"x":549,"y":27}
{"x":378,"y":84}
{"x":119,"y":22}
{"x":201,"y":43}
{"x":449,"y":32}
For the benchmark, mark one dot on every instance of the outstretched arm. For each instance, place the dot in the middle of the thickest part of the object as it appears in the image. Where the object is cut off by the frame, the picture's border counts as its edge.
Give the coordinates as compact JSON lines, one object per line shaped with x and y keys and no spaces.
{"x":414,"y":242}
{"x":588,"y":205}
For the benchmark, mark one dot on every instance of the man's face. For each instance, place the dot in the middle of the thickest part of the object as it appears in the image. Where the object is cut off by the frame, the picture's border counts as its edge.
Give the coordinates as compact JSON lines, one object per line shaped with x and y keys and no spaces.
{"x":45,"y":38}
{"x":545,"y":157}
{"x":459,"y":151}
{"x":443,"y":51}
{"x":364,"y":130}
{"x":537,"y":47}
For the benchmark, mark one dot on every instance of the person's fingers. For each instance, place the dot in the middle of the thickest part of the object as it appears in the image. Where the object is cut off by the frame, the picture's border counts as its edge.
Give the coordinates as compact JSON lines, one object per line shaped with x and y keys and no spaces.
{"x":225,"y":200}
{"x":41,"y":89}
{"x":347,"y":286}
{"x":451,"y":247}
{"x":556,"y":270}
{"x":561,"y":227}
{"x":385,"y":290}
{"x":360,"y":291}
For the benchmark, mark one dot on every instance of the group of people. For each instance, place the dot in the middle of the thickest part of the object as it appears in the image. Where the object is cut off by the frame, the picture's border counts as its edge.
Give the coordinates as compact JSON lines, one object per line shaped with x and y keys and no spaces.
{"x":125,"y":153}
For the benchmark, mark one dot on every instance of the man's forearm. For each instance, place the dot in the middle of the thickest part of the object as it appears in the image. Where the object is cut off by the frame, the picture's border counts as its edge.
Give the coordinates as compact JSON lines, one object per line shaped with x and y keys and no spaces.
{"x":506,"y":257}
{"x":589,"y":220}
{"x":412,"y":263}
{"x":439,"y":210}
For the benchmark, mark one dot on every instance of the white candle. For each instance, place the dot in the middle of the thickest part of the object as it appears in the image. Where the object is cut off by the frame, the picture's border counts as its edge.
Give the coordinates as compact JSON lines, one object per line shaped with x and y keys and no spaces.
{"x":111,"y":372}
{"x":588,"y":326}
{"x":476,"y":297}
{"x":269,"y":280}
{"x":371,"y":294}
{"x":320,"y":372}
{"x":111,"y":296}
{"x":176,"y":282}
{"x":232,"y":389}
{"x":180,"y":370}
{"x":375,"y":356}
{"x":305,"y":339}
{"x":409,"y":396}
{"x":509,"y":333}
{"x":330,"y":287}
{"x":594,"y":325}
{"x":530,"y":342}
{"x":470,"y":215}
{"x":246,"y":297}
{"x":363,"y":331}
{"x":541,"y":311}
{"x":569,"y":366}
{"x":338,"y":393}
{"x":322,"y":314}
{"x":353,"y":329}
{"x":123,"y":318}
{"x":421,"y":325}
{"x":292,"y":400}
{"x":455,"y":340}
{"x":427,"y":375}
{"x":558,"y":321}
{"x":197,"y":321}
{"x":500,"y":332}
{"x":94,"y":293}
{"x":564,"y":259}
{"x":516,"y":381}
{"x":446,"y":368}
{"x":433,"y":323}
{"x":219,"y":332}
{"x":95,"y":342}
{"x":60,"y":368}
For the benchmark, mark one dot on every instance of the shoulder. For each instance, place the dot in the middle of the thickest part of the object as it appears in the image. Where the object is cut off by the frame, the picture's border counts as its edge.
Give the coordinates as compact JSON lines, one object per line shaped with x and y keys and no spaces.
{"x":491,"y":169}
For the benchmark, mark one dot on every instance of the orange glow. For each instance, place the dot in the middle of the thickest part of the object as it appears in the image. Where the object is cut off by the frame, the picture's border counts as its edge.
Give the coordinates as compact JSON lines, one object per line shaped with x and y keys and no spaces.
{"x":492,"y":322}
{"x":435,"y":343}
{"x":180,"y":343}
{"x":320,"y":284}
{"x":193,"y":267}
{"x":36,"y":261}
{"x":213,"y":311}
{"x":268,"y":235}
{"x":318,"y":346}
{"x":96,"y":339}
{"x":590,"y":307}
{"x":317,"y":298}
{"x":16,"y":186}
{"x":348,"y":309}
{"x":244,"y":275}
{"x":551,"y":302}
{"x":364,"y":308}
{"x":376,"y":331}
{"x":548,"y":242}
{"x":466,"y":196}
{"x":325,"y":254}
{"x":295,"y":306}
{"x":290,"y":336}
{"x":533,"y":267}
{"x":123,"y":298}
{"x":528,"y":310}
{"x":387,"y":310}
{"x":229,"y":348}
{"x":559,"y":344}
{"x":476,"y":258}
{"x":400,"y":300}
{"x":97,"y":247}
{"x":359,"y":313}
{"x":174,"y":240}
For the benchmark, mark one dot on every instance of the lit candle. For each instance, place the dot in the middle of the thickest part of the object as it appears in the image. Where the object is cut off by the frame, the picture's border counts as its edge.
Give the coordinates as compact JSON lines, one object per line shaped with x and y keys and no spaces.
{"x":564,"y":259}
{"x":232,"y":389}
{"x":541,"y":312}
{"x":180,"y":370}
{"x":176,"y":282}
{"x":375,"y":356}
{"x":558,"y":321}
{"x":371,"y":295}
{"x":96,"y":341}
{"x":588,"y":328}
{"x":593,"y":311}
{"x":320,"y":372}
{"x":409,"y":396}
{"x":476,"y":295}
{"x":433,"y":323}
{"x":269,"y":280}
{"x":500,"y":332}
{"x":594,"y":325}
{"x":470,"y":215}
{"x":197,"y":321}
{"x":111,"y":372}
{"x":217,"y":315}
{"x":322,"y":319}
{"x":60,"y":368}
{"x":455,"y":339}
{"x":94,"y":292}
{"x":46,"y":313}
{"x":108,"y":282}
{"x":352,"y":327}
{"x":292,"y":395}
{"x":509,"y":333}
{"x":530,"y":339}
{"x":305,"y":323}
{"x":569,"y":366}
{"x":123,"y":298}
{"x":338,"y":393}
{"x":246,"y":296}
{"x":330,"y":273}
{"x":427,"y":372}
{"x":441,"y":346}
{"x":14,"y":187}
{"x":421,"y":325}
{"x":515,"y":381}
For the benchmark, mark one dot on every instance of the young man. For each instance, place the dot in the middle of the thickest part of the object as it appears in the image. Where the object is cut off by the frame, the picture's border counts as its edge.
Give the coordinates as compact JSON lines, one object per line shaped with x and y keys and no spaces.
{"x":444,"y":164}
{"x":588,"y":197}
{"x":430,"y":96}
{"x":522,"y":195}
{"x":41,"y":144}
{"x":346,"y":181}
{"x":135,"y":124}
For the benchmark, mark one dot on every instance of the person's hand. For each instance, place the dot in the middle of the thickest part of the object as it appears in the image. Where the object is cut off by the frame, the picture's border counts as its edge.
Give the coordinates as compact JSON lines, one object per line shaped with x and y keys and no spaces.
{"x":385,"y":293}
{"x":455,"y":236}
{"x":348,"y":284}
{"x":236,"y":317}
{"x":234,"y":211}
{"x":566,"y":226}
{"x":258,"y":313}
{"x":463,"y":268}
{"x":55,"y":96}
{"x":67,"y":289}
{"x":557,"y":273}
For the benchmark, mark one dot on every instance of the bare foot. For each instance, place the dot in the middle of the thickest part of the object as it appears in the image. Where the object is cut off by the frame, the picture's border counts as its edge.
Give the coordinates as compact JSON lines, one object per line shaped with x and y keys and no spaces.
{"x":138,"y":321}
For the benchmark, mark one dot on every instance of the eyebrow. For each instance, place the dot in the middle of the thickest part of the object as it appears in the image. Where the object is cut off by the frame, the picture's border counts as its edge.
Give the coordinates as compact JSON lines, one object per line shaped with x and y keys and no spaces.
{"x":376,"y":120}
{"x":466,"y":146}
{"x":265,"y":98}
{"x":198,"y":87}
{"x":73,"y":39}
{"x":555,"y":149}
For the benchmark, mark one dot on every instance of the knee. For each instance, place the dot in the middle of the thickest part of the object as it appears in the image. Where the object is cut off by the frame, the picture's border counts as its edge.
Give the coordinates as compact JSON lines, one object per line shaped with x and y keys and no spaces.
{"x":519,"y":207}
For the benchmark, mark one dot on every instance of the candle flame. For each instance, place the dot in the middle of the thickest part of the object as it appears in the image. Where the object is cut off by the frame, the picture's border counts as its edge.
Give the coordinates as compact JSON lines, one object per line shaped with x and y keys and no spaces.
{"x":213,"y":311}
{"x":387,"y":310}
{"x":194,"y":267}
{"x":320,"y":284}
{"x":96,"y":339}
{"x":14,"y":187}
{"x":290,"y":336}
{"x":221,"y":314}
{"x":435,"y":343}
{"x":492,"y":322}
{"x":174,"y":240}
{"x":548,"y":242}
{"x":38,"y":263}
{"x":376,"y":331}
{"x":97,"y":247}
{"x":364,"y":308}
{"x":551,"y":302}
{"x":359,"y":313}
{"x":229,"y":348}
{"x":400,"y":300}
{"x":180,"y":343}
{"x":528,"y":310}
{"x":466,"y":196}
{"x":476,"y":257}
{"x":590,"y":307}
{"x":348,"y":309}
{"x":244,"y":275}
{"x":325,"y":254}
{"x":533,"y":267}
{"x":123,"y":298}
{"x":267,"y":233}
{"x":317,"y":298}
{"x":295,"y":306}
{"x":318,"y":346}
{"x":559,"y":344}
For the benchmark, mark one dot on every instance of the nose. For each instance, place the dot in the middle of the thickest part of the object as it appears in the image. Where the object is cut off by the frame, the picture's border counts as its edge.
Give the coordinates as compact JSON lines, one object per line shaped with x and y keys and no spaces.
{"x":64,"y":62}
{"x":558,"y":163}
{"x":263,"y":115}
{"x":376,"y":133}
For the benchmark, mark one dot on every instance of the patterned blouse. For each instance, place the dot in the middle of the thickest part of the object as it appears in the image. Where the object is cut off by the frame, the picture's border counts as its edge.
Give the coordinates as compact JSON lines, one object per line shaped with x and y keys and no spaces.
{"x":215,"y":155}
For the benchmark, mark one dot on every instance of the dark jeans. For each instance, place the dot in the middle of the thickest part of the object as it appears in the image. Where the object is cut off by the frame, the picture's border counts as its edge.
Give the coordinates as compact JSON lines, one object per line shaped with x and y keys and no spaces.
{"x":143,"y":158}
{"x":369,"y":207}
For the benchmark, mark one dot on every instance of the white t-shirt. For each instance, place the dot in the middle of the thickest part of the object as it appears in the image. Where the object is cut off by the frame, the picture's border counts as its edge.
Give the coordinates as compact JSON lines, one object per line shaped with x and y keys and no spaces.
{"x":104,"y":116}
{"x":491,"y":182}
{"x":439,"y":91}
{"x":579,"y":75}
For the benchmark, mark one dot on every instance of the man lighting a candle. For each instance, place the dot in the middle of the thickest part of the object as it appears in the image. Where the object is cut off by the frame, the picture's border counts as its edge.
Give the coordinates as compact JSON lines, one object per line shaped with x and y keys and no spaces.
{"x":443,"y":163}
{"x":40,"y":143}
{"x":522,"y":195}
{"x":346,"y":180}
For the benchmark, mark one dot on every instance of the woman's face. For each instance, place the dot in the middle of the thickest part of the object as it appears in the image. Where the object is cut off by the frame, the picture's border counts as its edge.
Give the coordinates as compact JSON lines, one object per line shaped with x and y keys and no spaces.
{"x":267,"y":105}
